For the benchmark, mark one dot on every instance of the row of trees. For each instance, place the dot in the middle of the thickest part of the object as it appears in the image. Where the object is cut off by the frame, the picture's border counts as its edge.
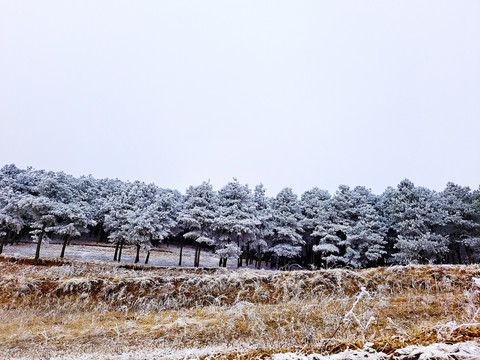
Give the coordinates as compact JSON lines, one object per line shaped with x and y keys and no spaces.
{"x":354,"y":227}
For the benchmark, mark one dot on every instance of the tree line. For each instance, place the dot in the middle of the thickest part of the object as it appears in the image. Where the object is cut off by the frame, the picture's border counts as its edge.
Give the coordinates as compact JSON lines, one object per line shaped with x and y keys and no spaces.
{"x":351,"y":228}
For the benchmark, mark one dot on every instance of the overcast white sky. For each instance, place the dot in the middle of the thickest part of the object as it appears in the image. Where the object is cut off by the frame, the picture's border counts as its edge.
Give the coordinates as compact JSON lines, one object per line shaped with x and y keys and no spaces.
{"x":287,"y":93}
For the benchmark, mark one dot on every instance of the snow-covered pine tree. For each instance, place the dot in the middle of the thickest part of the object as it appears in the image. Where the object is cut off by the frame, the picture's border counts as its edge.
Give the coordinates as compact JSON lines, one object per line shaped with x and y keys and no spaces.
{"x":461,"y":223}
{"x":20,"y":181}
{"x":332,"y":227}
{"x":197,"y":216}
{"x":264,"y":229}
{"x":415,"y":216}
{"x":92,"y":197}
{"x":72,"y":222}
{"x":10,"y":220}
{"x":314,"y":205}
{"x":129,"y":218}
{"x":73,"y":213}
{"x":162,"y":215}
{"x":235,"y":222}
{"x":40,"y":213}
{"x":99,"y":196}
{"x":287,"y":240}
{"x":365,"y":238}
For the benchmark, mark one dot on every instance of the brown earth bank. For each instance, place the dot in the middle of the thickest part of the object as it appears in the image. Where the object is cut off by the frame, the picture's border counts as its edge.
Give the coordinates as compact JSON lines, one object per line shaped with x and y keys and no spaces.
{"x":74,"y":307}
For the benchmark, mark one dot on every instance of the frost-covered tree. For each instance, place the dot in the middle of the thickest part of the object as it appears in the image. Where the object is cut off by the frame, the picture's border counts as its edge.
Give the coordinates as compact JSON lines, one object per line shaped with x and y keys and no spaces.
{"x":264,"y":229}
{"x":314,"y":206}
{"x":350,"y":229}
{"x":365,"y":237}
{"x":332,"y":227}
{"x":72,"y":221}
{"x":43,"y":202}
{"x":162,"y":215}
{"x":20,"y":181}
{"x":93,"y":195}
{"x":415,"y":216}
{"x":41,"y":214}
{"x":10,"y":215}
{"x":127,"y":217}
{"x":461,"y":223}
{"x":49,"y":201}
{"x":72,"y":212}
{"x":287,"y":240}
{"x":197,"y":216}
{"x":235,"y":222}
{"x":139,"y":213}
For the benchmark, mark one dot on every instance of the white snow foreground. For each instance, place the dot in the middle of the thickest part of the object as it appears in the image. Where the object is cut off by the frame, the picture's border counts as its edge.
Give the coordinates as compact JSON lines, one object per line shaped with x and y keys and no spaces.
{"x":157,"y":354}
{"x":461,"y":351}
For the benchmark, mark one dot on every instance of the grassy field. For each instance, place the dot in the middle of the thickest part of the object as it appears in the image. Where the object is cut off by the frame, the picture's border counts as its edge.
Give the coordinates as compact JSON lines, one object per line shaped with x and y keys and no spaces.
{"x":85,"y":308}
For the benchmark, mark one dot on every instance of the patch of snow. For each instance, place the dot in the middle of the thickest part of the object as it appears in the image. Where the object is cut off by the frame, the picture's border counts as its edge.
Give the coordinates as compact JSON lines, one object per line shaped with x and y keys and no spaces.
{"x":157,"y":354}
{"x":461,"y":351}
{"x":440,"y":351}
{"x":162,"y":256}
{"x":345,"y":355}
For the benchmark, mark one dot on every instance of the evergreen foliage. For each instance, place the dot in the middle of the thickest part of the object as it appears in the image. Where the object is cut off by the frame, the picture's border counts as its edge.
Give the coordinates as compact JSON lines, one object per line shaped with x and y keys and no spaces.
{"x":352,"y":228}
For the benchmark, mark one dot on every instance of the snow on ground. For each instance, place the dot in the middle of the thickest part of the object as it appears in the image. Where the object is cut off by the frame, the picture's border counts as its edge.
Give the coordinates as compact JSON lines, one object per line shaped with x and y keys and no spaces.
{"x":460,"y":351}
{"x":161,"y":256}
{"x":208,"y":352}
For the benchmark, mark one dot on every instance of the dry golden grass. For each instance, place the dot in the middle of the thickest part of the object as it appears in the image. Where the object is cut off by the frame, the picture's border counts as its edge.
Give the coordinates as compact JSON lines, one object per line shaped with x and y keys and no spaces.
{"x":74,"y":307}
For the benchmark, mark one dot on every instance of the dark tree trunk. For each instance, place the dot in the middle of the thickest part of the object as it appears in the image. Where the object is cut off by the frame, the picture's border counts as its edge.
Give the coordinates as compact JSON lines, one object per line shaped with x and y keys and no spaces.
{"x":240,"y":258}
{"x":181,"y":252}
{"x":120,"y":251}
{"x":451,"y":253}
{"x":137,"y":258}
{"x":259,"y":258}
{"x":456,"y":253}
{"x":148,"y":257}
{"x":450,"y":258}
{"x":4,"y":241}
{"x":117,"y":245}
{"x":247,"y":254}
{"x":39,"y":244}
{"x":196,"y":262}
{"x":195,"y":258}
{"x":225,"y":262}
{"x":10,"y":240}
{"x":469,"y":254}
{"x":15,"y":237}
{"x":64,"y":246}
{"x":308,"y":259}
{"x":220,"y":262}
{"x":99,"y":237}
{"x":459,"y":253}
